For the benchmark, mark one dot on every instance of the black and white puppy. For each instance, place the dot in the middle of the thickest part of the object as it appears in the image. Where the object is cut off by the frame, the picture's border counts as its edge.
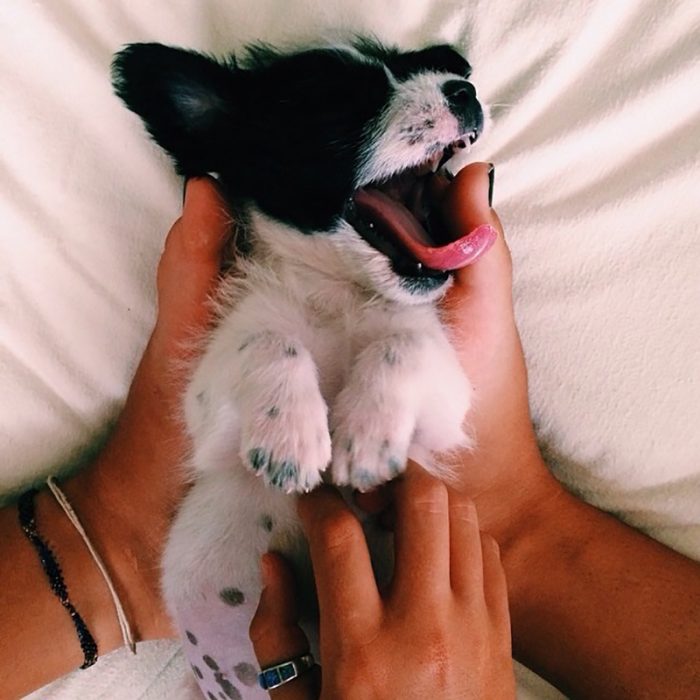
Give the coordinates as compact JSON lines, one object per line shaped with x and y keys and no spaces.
{"x":328,"y":356}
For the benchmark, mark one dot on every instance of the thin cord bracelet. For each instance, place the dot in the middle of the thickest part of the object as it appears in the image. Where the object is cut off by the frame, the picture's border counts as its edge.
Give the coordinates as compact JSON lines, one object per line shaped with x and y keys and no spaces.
{"x":60,"y":497}
{"x":27,"y":521}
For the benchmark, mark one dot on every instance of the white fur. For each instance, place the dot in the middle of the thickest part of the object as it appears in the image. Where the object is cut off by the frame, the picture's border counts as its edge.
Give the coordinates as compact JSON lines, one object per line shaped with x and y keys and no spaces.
{"x":417,"y":122}
{"x":316,"y":337}
{"x":303,"y":345}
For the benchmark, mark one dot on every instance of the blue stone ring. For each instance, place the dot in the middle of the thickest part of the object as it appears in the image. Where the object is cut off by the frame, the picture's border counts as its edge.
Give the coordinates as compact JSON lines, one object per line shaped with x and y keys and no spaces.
{"x":275,"y":676}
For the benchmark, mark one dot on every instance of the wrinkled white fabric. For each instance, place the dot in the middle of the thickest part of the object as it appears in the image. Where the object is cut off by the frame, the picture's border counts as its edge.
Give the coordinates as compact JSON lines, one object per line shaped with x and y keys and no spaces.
{"x":595,"y":137}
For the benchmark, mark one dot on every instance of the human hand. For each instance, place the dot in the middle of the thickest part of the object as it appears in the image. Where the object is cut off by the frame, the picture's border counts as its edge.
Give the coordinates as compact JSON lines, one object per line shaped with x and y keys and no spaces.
{"x":505,"y":474}
{"x":442,"y":629}
{"x":127,"y":497}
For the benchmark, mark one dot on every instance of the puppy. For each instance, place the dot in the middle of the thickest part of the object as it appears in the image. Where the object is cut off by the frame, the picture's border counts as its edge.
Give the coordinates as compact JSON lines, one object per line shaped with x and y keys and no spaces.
{"x":328,"y":359}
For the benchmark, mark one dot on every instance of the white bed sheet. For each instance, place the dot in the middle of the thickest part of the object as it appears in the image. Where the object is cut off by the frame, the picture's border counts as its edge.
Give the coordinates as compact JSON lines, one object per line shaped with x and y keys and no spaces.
{"x":595,"y":138}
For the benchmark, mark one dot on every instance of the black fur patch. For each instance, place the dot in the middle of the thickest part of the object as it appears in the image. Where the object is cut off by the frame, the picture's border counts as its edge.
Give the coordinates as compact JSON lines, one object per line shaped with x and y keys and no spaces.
{"x":286,"y":131}
{"x":441,"y":58}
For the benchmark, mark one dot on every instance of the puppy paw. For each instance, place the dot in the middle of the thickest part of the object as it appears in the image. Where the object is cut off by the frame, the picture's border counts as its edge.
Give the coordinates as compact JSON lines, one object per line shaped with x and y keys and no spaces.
{"x":370,"y":446}
{"x":287,"y":443}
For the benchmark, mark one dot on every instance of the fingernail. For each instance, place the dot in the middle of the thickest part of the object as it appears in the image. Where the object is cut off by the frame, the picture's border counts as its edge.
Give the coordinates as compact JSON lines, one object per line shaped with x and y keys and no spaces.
{"x":492,"y":177}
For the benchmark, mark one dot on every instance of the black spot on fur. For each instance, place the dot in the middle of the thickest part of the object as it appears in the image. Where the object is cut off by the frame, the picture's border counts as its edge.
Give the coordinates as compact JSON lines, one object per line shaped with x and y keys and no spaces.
{"x":211,"y":695}
{"x":283,"y":473}
{"x":391,"y":357}
{"x":363,"y":477}
{"x":273,"y":412}
{"x":290,"y":351}
{"x":232,"y":596}
{"x":191,"y":637}
{"x":210,"y":662}
{"x":246,"y":673}
{"x":266,"y":522}
{"x":227,"y":687}
{"x":258,"y":458}
{"x":197,"y":672}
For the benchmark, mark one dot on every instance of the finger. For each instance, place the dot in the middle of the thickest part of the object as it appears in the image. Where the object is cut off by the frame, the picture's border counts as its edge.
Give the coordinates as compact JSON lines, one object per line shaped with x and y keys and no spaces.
{"x":466,"y":565}
{"x":421,"y":537}
{"x":188,"y":271}
{"x":347,"y":593}
{"x":495,"y":585}
{"x":478,"y":308}
{"x":466,"y":206}
{"x":372,"y":502}
{"x":275,"y":631}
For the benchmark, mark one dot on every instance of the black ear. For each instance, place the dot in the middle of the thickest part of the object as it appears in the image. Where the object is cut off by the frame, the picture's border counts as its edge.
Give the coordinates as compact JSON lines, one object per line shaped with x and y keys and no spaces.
{"x":186,"y":100}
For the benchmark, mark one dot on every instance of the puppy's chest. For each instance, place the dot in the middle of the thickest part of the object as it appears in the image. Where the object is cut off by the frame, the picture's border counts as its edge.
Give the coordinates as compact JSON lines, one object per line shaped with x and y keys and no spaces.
{"x":335,"y":338}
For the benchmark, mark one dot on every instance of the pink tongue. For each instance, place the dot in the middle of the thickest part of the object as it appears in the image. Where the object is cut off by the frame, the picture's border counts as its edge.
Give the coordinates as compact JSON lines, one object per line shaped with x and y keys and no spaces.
{"x":395,"y":218}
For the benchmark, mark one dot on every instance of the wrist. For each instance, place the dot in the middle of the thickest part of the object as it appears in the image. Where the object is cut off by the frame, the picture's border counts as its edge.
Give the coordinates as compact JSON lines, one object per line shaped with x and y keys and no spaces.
{"x":86,"y":588}
{"x":128,"y":533}
{"x":514,"y":498}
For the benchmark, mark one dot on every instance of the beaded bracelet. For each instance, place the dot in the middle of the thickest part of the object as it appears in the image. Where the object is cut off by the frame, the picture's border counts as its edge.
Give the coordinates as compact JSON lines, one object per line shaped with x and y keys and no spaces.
{"x":49,"y":564}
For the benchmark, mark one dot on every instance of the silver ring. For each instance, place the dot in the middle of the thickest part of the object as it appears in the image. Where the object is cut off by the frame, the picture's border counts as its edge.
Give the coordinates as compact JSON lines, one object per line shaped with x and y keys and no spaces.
{"x":275,"y":676}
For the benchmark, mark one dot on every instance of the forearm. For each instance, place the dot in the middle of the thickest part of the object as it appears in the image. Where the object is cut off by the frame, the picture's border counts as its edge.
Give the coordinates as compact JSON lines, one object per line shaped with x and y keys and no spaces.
{"x":600,"y":609}
{"x":124,"y":510}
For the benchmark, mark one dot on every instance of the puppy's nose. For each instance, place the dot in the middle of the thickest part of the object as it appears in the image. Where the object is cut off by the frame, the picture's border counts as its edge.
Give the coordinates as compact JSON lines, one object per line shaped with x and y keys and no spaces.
{"x":461,"y":99}
{"x":460,"y":94}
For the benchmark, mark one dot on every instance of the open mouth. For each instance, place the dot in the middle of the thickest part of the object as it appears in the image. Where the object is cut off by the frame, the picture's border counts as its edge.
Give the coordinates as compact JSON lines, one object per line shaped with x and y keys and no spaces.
{"x":398,"y":218}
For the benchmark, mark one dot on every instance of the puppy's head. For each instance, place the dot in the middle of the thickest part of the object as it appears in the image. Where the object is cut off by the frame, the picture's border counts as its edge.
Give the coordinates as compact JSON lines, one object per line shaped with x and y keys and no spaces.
{"x":338,"y":142}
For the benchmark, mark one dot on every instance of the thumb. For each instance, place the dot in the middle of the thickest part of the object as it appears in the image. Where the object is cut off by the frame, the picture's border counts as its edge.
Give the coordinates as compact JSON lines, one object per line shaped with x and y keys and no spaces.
{"x":485,"y":286}
{"x":275,"y":631}
{"x":189,"y":267}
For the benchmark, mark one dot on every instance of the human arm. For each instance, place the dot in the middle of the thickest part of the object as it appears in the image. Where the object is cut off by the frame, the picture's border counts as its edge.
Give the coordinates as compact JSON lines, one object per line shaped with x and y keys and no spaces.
{"x":597,"y":608}
{"x":440,"y":628}
{"x":126,"y":497}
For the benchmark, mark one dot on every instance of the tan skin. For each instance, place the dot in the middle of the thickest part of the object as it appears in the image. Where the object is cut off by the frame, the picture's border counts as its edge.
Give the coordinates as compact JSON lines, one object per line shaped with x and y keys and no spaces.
{"x":441,"y":629}
{"x":636,"y":616}
{"x":597,"y":608}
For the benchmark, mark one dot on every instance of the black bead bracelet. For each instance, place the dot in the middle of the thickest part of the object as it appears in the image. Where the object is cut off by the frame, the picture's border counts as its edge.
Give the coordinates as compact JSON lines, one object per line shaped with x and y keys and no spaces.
{"x":49,"y":564}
